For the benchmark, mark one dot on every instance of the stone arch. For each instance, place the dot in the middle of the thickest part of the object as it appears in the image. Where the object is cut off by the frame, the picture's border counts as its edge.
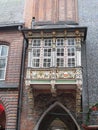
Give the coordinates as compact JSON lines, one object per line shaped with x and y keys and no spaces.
{"x":9,"y":102}
{"x":2,"y":115}
{"x":4,"y":102}
{"x":7,"y":43}
{"x":59,"y":106}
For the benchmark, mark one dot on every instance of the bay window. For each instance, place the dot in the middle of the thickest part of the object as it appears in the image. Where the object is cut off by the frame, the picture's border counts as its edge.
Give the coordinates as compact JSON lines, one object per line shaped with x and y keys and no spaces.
{"x":47,"y":54}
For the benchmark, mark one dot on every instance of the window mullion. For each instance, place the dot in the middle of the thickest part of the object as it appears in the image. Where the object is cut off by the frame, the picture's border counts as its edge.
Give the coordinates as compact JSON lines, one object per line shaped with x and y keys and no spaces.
{"x":53,"y":57}
{"x":41,"y":53}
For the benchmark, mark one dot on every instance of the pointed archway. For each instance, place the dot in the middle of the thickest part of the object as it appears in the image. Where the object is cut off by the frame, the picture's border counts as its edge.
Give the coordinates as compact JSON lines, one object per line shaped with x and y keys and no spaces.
{"x":57,"y":117}
{"x":2,"y":117}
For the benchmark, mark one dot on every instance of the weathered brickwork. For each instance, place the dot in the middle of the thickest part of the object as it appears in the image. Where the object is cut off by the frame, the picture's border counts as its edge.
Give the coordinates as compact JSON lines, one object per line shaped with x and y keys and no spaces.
{"x":50,"y":12}
{"x":14,"y":40}
{"x":41,"y":103}
{"x":9,"y":100}
{"x":8,"y":97}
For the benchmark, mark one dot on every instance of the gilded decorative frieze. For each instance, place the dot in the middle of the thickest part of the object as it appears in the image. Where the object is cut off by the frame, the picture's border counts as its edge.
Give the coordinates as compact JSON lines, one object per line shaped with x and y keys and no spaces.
{"x":56,"y":74}
{"x":45,"y":34}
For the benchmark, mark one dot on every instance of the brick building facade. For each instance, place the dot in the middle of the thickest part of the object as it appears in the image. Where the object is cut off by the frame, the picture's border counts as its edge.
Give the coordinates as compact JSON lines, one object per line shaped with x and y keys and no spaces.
{"x":44,"y":74}
{"x":9,"y":87}
{"x":11,"y":44}
{"x":53,"y":78}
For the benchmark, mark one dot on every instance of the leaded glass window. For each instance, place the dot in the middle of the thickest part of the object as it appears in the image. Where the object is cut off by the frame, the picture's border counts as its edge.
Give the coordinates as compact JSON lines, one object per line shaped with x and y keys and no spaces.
{"x":71,"y":62}
{"x":46,"y":54}
{"x":71,"y":52}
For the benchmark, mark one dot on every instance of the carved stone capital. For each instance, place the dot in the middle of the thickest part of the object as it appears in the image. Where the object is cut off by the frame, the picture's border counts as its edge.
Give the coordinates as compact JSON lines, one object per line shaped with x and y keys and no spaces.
{"x":53,"y":87}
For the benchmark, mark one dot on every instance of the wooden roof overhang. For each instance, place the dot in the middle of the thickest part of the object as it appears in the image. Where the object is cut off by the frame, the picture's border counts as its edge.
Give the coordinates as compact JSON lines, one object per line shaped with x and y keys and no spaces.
{"x":55,"y":31}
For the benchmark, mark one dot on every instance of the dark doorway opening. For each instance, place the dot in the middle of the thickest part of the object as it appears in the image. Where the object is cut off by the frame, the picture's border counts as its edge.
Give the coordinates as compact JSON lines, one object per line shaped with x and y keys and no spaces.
{"x":57,"y":119}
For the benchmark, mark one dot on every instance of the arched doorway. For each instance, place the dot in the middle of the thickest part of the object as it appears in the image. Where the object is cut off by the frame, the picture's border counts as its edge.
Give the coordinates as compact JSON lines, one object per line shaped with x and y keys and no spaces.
{"x":57,"y":124}
{"x":2,"y":117}
{"x":57,"y":117}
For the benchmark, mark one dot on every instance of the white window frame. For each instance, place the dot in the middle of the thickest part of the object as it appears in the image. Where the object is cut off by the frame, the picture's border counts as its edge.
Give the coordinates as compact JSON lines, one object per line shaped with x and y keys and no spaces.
{"x":61,"y":43}
{"x":47,"y":45}
{"x":35,"y":46}
{"x":4,"y":57}
{"x":60,"y":46}
{"x":71,"y":62}
{"x":71,"y":44}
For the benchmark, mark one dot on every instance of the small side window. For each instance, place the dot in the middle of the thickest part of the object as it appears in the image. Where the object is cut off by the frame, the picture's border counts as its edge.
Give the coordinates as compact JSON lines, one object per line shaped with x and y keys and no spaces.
{"x":3,"y":60}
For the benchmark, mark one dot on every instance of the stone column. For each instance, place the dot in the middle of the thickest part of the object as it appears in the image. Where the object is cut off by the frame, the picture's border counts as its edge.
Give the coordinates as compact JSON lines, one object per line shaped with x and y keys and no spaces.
{"x":79,"y":89}
{"x":29,"y":92}
{"x":54,"y":50}
{"x":30,"y":99}
{"x":29,"y":52}
{"x":78,"y":100}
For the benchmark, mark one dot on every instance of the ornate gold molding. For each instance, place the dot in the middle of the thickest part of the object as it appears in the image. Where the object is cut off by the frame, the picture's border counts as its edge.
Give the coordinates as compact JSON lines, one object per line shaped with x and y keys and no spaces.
{"x":56,"y":74}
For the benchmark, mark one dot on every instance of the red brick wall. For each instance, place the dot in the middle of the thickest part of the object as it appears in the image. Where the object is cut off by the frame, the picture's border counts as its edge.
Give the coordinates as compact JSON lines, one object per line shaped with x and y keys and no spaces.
{"x":9,"y":98}
{"x":50,"y":10}
{"x":15,"y":42}
{"x":28,"y":12}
